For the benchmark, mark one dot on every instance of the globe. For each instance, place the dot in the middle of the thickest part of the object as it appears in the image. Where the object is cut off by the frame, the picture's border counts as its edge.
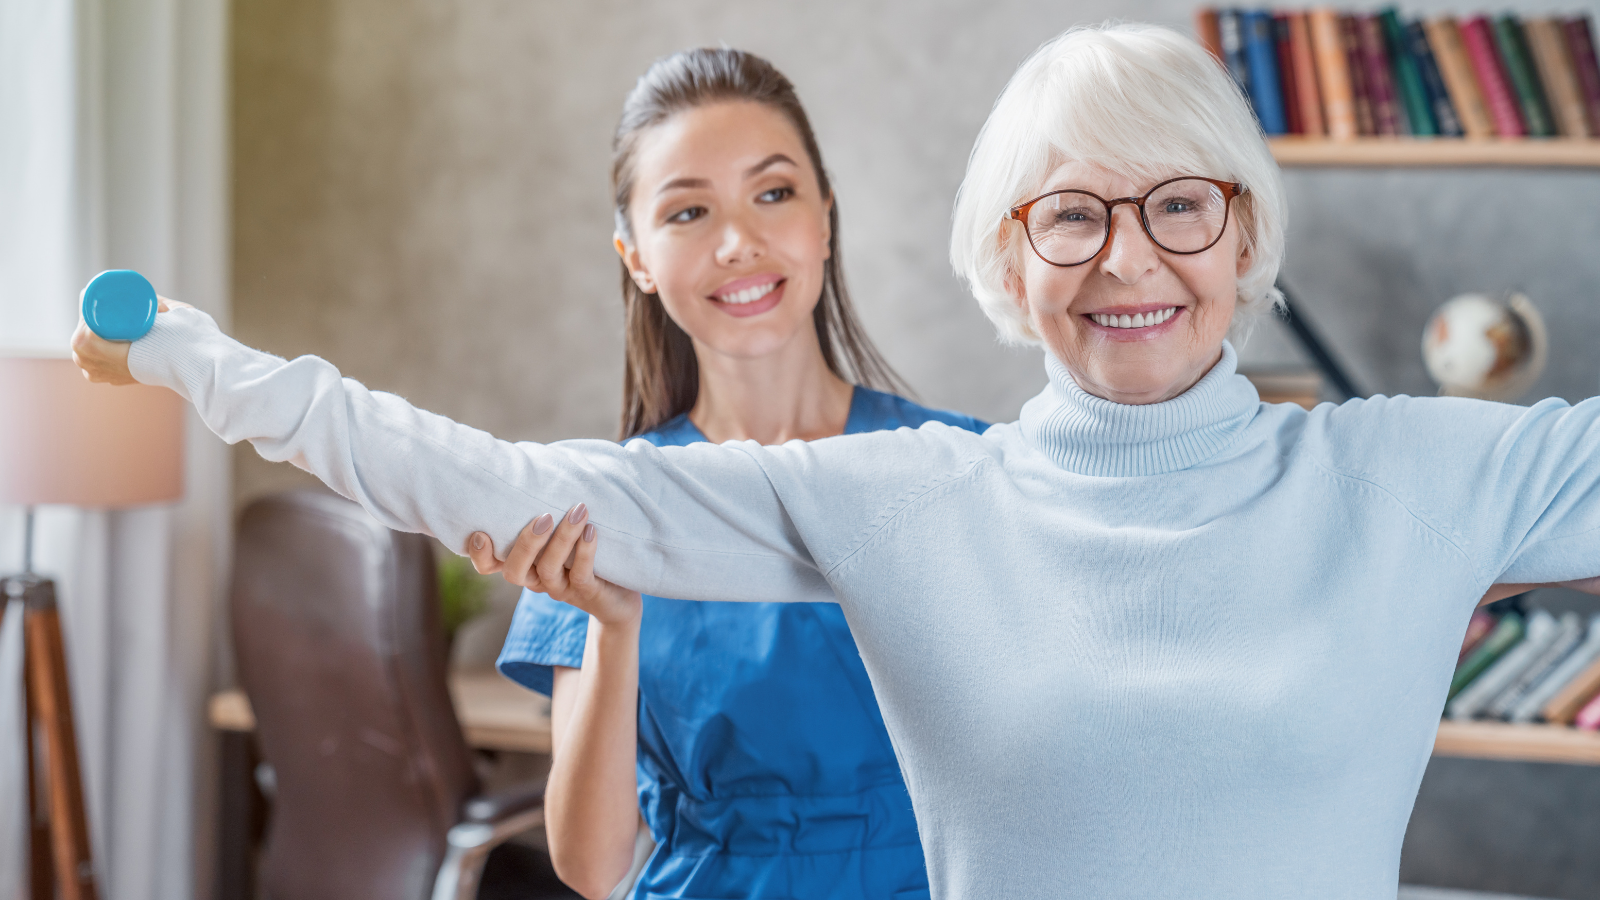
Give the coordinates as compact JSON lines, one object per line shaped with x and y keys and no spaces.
{"x":1484,"y":346}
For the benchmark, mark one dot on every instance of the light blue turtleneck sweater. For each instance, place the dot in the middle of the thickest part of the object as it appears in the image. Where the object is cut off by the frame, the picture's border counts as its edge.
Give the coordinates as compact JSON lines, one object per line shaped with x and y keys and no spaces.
{"x":1192,"y":649}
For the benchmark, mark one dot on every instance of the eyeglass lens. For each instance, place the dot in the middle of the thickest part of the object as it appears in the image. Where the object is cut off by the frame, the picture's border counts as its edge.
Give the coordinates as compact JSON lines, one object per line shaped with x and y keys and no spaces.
{"x":1183,"y":216}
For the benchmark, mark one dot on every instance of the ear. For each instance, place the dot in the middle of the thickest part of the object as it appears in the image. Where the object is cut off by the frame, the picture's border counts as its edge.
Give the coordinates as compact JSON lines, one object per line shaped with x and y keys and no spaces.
{"x":630,"y":258}
{"x":1246,"y":259}
{"x":1019,"y":295}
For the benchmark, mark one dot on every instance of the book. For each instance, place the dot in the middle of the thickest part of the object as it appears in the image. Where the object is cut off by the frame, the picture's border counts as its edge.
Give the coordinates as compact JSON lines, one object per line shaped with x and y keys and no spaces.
{"x":1360,"y":91}
{"x":1261,"y":60}
{"x":1380,"y":83}
{"x":1507,"y":632}
{"x":1492,"y":80}
{"x":1524,"y":82}
{"x":1445,"y":118}
{"x":1460,"y":81}
{"x":1304,"y":60}
{"x":1580,"y":43}
{"x":1478,"y":628}
{"x":1205,"y":31}
{"x":1286,"y":74}
{"x":1230,"y":32}
{"x":1588,"y":717}
{"x":1556,"y":683}
{"x":1333,"y":74}
{"x":1569,"y":632}
{"x":1554,"y":66}
{"x":1407,"y":75}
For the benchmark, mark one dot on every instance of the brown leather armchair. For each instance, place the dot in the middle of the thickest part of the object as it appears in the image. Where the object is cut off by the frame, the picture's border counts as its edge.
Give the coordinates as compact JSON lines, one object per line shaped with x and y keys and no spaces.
{"x":338,"y":645}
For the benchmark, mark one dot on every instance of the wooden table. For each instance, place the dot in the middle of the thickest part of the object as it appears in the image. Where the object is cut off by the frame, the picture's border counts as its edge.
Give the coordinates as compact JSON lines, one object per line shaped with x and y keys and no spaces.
{"x":495,"y":712}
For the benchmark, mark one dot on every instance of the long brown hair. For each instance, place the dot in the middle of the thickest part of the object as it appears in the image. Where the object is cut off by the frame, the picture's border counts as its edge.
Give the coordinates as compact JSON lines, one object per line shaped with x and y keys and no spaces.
{"x":662,"y":377}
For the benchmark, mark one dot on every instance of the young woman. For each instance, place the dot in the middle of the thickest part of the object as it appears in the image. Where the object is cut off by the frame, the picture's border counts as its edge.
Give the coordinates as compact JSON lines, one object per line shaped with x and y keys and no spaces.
{"x":746,"y":732}
{"x":1154,"y":639}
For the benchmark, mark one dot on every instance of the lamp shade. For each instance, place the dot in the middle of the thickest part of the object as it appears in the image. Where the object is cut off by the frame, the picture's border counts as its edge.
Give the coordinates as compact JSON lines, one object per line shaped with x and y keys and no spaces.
{"x":64,"y":440}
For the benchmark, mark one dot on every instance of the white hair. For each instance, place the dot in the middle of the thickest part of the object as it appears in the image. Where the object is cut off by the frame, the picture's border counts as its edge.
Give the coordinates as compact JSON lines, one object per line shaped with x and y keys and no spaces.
{"x":1140,"y":100}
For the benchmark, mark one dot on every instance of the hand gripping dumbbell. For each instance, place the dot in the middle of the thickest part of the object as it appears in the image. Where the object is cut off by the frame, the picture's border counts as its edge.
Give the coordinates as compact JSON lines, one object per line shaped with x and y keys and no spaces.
{"x":119,"y":305}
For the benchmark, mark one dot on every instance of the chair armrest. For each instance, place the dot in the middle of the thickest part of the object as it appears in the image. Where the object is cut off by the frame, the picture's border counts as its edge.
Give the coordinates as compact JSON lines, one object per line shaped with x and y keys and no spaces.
{"x":491,"y":808}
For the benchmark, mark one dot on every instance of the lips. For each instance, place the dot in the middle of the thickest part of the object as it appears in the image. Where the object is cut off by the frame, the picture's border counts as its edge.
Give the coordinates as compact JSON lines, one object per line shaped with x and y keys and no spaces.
{"x":750,"y":296}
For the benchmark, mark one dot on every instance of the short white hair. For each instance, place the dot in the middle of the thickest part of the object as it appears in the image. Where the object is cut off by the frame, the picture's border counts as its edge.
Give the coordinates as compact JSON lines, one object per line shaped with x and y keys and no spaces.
{"x":1140,"y":100}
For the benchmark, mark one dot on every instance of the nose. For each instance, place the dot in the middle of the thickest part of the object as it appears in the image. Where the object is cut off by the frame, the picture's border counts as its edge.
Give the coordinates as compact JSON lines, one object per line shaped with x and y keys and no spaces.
{"x":1129,"y":253}
{"x":741,"y":243}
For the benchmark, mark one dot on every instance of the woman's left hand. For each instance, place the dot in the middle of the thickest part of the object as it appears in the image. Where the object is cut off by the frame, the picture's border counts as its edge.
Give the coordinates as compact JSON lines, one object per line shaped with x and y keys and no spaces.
{"x":559,"y":560}
{"x":106,"y":362}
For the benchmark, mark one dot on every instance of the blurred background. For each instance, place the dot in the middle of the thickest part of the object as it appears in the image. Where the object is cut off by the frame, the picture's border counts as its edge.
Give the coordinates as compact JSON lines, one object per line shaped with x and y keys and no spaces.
{"x":418,"y":190}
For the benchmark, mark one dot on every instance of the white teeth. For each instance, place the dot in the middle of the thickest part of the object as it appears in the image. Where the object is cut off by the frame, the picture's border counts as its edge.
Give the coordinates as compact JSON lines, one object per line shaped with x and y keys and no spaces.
{"x":1141,"y":320}
{"x":750,"y":295}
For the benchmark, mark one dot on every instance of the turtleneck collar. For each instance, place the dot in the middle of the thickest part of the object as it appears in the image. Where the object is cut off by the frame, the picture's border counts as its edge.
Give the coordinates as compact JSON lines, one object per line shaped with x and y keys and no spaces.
{"x":1089,"y":435}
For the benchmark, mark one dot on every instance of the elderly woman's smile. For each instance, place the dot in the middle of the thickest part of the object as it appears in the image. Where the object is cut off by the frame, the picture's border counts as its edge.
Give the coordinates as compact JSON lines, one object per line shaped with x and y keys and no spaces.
{"x":1135,"y":323}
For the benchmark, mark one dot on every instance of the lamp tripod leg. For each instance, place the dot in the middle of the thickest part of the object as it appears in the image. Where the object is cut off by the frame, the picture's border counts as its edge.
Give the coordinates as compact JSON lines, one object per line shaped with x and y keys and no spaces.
{"x":50,"y":710}
{"x":41,"y":882}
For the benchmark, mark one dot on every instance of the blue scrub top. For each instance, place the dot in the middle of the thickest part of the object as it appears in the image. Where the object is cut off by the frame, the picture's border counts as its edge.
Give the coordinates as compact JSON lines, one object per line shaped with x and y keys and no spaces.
{"x":764,"y":766}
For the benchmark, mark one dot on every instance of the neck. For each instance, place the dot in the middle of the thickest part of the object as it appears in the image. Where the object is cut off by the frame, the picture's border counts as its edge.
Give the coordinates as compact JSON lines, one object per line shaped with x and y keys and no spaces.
{"x":786,"y":395}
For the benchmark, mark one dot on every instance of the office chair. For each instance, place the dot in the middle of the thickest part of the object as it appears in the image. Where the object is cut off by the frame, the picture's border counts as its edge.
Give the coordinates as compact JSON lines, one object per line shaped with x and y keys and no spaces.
{"x":338,"y":645}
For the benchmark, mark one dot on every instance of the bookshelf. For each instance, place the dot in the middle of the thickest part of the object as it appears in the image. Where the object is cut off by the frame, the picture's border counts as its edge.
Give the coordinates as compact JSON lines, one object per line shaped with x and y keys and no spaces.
{"x":1566,"y":153}
{"x":1519,"y":743}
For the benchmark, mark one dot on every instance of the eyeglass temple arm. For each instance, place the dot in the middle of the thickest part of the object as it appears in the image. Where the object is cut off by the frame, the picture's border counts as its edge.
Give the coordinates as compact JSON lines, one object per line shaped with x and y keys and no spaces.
{"x":1312,"y":343}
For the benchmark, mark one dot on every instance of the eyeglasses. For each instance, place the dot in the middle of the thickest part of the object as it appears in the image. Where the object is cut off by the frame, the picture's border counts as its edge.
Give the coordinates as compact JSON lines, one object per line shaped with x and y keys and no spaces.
{"x":1181,"y":215}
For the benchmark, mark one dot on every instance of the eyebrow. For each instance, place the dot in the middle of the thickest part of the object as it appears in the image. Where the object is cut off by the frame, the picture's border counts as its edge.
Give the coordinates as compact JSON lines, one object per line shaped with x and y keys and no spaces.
{"x":677,"y":184}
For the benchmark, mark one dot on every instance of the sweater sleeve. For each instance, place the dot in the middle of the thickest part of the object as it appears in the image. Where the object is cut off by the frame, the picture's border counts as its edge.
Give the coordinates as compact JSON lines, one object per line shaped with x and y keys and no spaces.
{"x":1516,"y":489}
{"x":703,"y":522}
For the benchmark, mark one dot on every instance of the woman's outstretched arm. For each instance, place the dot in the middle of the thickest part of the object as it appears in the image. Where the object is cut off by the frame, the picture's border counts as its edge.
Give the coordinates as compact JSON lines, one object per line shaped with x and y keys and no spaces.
{"x":701,"y":522}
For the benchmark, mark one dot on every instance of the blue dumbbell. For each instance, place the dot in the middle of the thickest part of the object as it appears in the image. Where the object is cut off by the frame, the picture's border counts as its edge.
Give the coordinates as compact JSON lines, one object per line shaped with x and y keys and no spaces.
{"x":119,"y":305}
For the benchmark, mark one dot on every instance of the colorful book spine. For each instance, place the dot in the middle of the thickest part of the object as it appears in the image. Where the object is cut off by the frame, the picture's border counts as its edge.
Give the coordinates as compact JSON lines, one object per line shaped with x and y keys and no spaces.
{"x":1407,"y":75}
{"x":1588,"y":718}
{"x":1478,"y":37}
{"x":1261,"y":57}
{"x":1380,"y":83}
{"x":1560,"y":80}
{"x":1360,"y":91}
{"x":1445,"y":118}
{"x":1580,"y":43}
{"x":1333,"y":74}
{"x":1304,"y":62}
{"x":1459,"y":80}
{"x":1205,"y":30}
{"x":1230,"y":31}
{"x":1524,"y":82}
{"x":1507,"y":632}
{"x":1286,"y":74}
{"x":1478,"y":628}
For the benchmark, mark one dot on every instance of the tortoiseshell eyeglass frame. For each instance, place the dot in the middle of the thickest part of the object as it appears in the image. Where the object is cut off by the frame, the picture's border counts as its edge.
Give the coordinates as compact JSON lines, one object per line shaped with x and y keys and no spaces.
{"x":1229,"y":189}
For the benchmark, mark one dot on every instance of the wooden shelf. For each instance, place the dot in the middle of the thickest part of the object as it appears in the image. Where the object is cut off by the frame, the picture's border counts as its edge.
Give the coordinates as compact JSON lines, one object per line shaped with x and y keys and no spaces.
{"x":1405,"y":152}
{"x":1524,"y":743}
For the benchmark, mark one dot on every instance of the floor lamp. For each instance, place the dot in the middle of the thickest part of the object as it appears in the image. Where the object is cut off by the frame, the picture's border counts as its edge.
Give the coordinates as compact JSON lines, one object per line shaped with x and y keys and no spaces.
{"x":65,"y":441}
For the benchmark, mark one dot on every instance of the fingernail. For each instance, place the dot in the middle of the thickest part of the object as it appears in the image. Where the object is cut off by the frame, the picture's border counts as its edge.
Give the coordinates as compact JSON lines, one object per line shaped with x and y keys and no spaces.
{"x":543,"y":523}
{"x":588,"y":533}
{"x":477,"y":542}
{"x":578,"y":514}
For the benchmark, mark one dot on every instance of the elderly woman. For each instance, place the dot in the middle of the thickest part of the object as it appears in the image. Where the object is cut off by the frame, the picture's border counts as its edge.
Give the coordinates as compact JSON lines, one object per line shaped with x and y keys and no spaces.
{"x":1155,"y":638}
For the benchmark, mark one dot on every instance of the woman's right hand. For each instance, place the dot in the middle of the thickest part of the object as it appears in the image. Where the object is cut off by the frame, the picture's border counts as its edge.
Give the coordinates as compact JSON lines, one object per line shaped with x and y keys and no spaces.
{"x":559,"y":561}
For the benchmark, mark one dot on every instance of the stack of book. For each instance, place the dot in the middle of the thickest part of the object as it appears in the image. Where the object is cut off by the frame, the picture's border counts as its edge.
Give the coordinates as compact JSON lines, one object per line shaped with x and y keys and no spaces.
{"x":1533,"y":667}
{"x":1324,"y":73}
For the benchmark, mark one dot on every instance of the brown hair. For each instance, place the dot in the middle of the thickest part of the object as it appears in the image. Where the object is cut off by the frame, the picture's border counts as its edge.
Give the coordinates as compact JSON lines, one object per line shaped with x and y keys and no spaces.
{"x":661,"y":377}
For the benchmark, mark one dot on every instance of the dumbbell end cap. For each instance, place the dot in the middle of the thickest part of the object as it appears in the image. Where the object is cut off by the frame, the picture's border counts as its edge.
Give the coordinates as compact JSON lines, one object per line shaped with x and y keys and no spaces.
{"x":119,"y":305}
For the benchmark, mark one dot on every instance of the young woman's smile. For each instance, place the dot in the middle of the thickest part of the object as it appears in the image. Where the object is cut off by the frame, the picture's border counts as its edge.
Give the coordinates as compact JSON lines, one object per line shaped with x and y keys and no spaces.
{"x":751,"y":296}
